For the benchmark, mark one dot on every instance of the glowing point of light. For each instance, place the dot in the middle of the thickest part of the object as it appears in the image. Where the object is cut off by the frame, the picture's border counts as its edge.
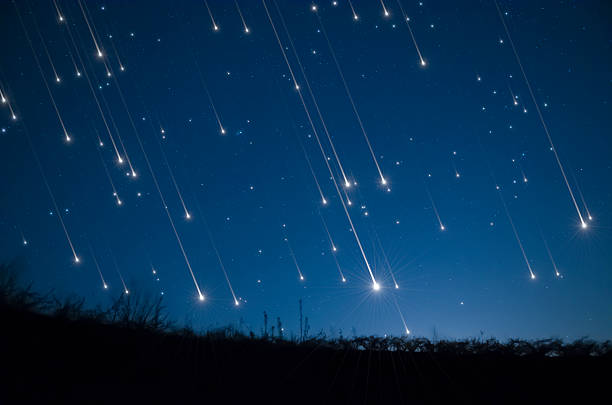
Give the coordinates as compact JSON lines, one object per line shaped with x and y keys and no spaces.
{"x":532,"y":276}
{"x":14,"y":117}
{"x":301,"y":278}
{"x":76,"y":259}
{"x":201,"y":297}
{"x":314,"y":7}
{"x":57,"y":79}
{"x":246,"y":30}
{"x":134,"y":174}
{"x":396,"y":286}
{"x":324,"y":201}
{"x":120,"y":160}
{"x":457,"y":175}
{"x":383,"y":181}
{"x":119,"y":202}
{"x":100,"y":54}
{"x":423,"y":63}
{"x":106,"y":286}
{"x":108,"y":74}
{"x":376,"y":286}
{"x":442,"y":227}
{"x":347,"y":184}
{"x":127,"y":291}
{"x":590,"y":218}
{"x":584,"y":225}
{"x":355,"y":17}
{"x":188,"y":216}
{"x":407,"y":331}
{"x":68,"y":139}
{"x":78,"y":74}
{"x":216,"y":27}
{"x":222,"y":131}
{"x":121,"y":68}
{"x":297,"y":86}
{"x":61,"y":18}
{"x":386,"y":13}
{"x":343,"y":280}
{"x":334,"y":248}
{"x":236,"y":303}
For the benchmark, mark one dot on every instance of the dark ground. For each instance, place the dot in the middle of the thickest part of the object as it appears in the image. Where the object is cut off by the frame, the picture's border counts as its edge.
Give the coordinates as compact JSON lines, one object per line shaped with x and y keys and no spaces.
{"x":47,"y":359}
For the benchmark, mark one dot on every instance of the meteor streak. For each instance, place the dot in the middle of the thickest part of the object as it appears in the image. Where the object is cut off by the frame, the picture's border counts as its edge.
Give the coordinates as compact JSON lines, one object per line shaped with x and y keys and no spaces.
{"x":552,"y":260}
{"x":110,"y":179}
{"x":416,"y":46}
{"x":93,"y":37}
{"x":385,"y":11}
{"x":435,"y":209}
{"x":355,"y":16}
{"x":312,"y":96}
{"x":214,"y":245}
{"x":59,"y":116}
{"x":176,"y":187}
{"x":518,"y":240}
{"x":314,"y":130}
{"x":246,"y":28}
{"x":93,"y":255}
{"x":51,"y":195}
{"x":537,"y":107}
{"x":297,"y":266}
{"x":215,"y":26}
{"x":350,"y":97}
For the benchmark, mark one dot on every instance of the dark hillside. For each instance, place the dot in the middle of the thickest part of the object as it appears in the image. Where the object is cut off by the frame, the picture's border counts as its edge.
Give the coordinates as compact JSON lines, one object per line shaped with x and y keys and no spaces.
{"x":49,"y":359}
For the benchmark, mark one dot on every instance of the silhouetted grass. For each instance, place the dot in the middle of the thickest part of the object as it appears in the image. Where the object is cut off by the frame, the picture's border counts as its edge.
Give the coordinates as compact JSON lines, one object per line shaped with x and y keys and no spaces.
{"x":58,"y":350}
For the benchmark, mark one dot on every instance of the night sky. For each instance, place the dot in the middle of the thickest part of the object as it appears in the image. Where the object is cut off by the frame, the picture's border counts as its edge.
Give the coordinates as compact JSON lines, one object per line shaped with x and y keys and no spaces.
{"x":214,"y":128}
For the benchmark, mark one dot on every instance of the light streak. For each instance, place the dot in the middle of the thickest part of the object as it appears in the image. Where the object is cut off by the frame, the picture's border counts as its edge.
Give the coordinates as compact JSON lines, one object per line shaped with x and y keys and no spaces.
{"x":176,"y":187}
{"x":355,"y":16}
{"x":125,"y":289}
{"x":60,"y":16}
{"x":514,"y":99}
{"x":297,"y":266}
{"x":93,"y":93}
{"x":350,"y":97}
{"x":331,"y":241}
{"x":215,"y":26}
{"x":518,"y":240}
{"x":210,"y":99}
{"x":385,"y":11}
{"x":51,"y":195}
{"x":537,"y":106}
{"x":246,"y":28}
{"x":214,"y":245}
{"x":386,"y":260}
{"x":161,"y":197}
{"x":406,"y":330}
{"x":314,"y":130}
{"x":110,"y":179}
{"x":416,"y":45}
{"x":93,"y":255}
{"x":552,"y":260}
{"x":312,"y":96}
{"x":93,"y":37}
{"x":59,"y":116}
{"x":435,"y":209}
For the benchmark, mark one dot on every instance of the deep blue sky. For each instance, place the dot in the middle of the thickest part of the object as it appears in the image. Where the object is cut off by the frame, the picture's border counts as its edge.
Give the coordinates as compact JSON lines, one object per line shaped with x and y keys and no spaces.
{"x":248,"y":183}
